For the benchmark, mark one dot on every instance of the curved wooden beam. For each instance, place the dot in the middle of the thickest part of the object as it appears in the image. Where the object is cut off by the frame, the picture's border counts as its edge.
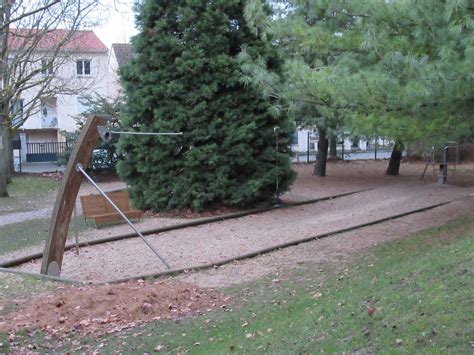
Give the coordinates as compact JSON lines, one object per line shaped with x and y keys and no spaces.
{"x":67,"y":194}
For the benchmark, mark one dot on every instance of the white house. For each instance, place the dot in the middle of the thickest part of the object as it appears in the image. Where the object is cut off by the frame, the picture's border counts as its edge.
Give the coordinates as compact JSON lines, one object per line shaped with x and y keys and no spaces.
{"x":119,"y":55}
{"x":82,"y":68}
{"x":306,"y":140}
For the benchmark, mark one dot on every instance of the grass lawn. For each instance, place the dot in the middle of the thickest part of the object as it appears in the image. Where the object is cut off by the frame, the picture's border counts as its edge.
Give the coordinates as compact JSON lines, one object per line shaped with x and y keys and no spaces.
{"x":28,"y":193}
{"x":409,"y":296}
{"x":29,"y":233}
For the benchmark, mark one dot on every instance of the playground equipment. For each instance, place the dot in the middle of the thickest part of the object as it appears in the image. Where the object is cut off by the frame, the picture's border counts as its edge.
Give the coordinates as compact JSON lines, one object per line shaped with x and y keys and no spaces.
{"x":93,"y":130}
{"x":443,"y":161}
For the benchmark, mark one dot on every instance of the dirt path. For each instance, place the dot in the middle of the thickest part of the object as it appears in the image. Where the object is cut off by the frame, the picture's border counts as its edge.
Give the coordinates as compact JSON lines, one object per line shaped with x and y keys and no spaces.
{"x":217,"y":241}
{"x":320,"y":254}
{"x":24,"y":216}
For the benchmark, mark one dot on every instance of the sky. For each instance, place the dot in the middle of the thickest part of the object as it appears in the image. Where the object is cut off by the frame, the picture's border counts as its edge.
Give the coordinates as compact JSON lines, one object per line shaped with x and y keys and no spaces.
{"x":117,"y":22}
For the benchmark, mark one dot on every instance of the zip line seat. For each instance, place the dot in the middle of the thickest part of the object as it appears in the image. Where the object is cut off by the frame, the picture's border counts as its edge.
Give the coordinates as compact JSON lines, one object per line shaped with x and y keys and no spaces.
{"x":97,"y":208}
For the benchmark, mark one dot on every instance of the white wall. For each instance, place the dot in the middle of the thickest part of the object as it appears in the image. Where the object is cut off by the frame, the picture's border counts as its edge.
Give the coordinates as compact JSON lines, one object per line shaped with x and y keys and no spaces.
{"x":302,"y":144}
{"x":113,"y":79}
{"x":66,"y":74}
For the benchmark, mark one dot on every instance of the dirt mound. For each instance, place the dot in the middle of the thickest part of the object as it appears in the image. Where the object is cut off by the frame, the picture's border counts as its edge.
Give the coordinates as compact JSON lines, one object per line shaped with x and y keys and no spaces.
{"x":103,"y":309}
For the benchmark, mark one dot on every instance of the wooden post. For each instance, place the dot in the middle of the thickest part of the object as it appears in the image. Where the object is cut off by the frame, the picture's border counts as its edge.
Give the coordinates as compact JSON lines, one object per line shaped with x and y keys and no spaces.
{"x":67,"y":194}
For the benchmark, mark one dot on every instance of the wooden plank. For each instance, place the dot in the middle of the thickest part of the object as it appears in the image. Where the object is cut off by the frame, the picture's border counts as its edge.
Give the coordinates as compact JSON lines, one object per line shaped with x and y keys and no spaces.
{"x":93,"y":205}
{"x":115,"y":217}
{"x":67,"y":194}
{"x":96,"y":207}
{"x":120,"y":198}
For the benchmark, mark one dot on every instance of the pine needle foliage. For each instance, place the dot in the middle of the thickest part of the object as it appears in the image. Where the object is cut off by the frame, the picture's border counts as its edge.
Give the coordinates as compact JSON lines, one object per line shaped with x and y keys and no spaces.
{"x":400,"y":69}
{"x":186,"y":78}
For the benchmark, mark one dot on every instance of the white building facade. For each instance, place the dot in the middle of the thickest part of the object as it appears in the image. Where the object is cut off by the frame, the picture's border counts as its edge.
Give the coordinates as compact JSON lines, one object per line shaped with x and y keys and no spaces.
{"x":80,"y":70}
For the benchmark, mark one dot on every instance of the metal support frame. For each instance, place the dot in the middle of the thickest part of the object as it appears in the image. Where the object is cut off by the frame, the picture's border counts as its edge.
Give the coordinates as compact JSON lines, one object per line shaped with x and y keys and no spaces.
{"x":80,"y":168}
{"x":441,"y":173}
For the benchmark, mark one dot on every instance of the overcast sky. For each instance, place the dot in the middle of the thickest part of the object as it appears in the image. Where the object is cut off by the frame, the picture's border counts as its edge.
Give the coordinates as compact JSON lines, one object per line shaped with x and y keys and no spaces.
{"x":118,"y":22}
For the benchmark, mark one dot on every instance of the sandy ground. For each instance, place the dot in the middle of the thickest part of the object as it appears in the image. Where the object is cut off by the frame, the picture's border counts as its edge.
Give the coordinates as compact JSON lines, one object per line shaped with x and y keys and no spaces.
{"x":217,"y":241}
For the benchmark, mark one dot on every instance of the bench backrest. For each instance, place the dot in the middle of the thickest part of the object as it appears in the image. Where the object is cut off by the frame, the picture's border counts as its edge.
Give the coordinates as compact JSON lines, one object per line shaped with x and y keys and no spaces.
{"x":93,"y":205}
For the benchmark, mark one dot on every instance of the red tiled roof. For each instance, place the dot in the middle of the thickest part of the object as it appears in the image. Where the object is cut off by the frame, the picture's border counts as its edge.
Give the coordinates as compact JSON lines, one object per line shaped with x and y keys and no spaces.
{"x":84,"y":41}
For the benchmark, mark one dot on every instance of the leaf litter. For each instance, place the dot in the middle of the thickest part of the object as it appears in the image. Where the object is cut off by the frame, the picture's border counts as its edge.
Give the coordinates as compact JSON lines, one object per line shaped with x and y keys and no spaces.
{"x":107,"y":309}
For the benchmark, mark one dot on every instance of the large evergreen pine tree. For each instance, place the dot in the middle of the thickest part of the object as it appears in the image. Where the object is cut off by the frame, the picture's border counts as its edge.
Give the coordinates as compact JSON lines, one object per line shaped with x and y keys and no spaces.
{"x":186,"y":78}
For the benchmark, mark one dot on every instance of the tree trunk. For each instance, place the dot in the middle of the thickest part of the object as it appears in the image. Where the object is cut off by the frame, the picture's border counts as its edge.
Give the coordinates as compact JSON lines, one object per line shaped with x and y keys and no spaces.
{"x":3,"y":158}
{"x":321,"y":155}
{"x":333,"y":148}
{"x":10,"y":167}
{"x":395,"y":158}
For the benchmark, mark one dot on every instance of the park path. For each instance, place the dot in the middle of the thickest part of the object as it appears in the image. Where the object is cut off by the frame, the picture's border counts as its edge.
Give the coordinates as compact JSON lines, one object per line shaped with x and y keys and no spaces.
{"x":19,"y":217}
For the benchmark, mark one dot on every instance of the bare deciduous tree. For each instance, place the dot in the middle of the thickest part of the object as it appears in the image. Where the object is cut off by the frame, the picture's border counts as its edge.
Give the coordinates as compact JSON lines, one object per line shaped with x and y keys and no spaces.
{"x":36,"y":38}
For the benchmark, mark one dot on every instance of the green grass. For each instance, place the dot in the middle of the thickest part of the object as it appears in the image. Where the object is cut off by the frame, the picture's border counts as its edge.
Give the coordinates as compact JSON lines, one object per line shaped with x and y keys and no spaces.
{"x":28,"y":193}
{"x":422,"y":289}
{"x":16,"y":287}
{"x":17,"y":236}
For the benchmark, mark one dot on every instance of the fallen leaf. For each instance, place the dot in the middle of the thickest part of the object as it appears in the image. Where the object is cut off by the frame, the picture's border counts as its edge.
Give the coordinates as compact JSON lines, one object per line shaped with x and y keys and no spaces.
{"x":371,"y":311}
{"x":158,"y":348}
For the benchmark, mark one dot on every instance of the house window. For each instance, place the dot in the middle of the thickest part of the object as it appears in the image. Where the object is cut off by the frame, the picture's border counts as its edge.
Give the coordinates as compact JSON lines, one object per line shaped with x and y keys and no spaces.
{"x":82,"y":105}
{"x":294,"y":139}
{"x":46,"y":66}
{"x":16,"y":110}
{"x":83,"y":67}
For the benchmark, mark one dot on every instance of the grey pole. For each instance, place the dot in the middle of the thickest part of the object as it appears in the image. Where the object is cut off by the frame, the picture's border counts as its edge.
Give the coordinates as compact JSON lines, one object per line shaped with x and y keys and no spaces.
{"x":307,"y":148}
{"x":76,"y":233}
{"x":276,"y":132}
{"x":80,"y":168}
{"x":148,"y":133}
{"x":106,"y":134}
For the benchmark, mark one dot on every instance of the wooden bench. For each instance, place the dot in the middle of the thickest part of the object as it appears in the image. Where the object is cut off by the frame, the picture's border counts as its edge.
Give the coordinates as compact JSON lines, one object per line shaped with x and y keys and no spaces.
{"x":97,"y":208}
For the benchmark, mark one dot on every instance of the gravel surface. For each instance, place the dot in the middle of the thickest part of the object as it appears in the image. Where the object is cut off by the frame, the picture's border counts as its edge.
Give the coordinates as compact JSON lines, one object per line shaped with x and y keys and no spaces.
{"x":322,"y":254}
{"x":218,"y":241}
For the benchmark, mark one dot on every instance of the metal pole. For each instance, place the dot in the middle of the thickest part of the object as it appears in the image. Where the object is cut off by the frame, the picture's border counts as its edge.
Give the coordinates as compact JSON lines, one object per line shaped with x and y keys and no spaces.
{"x":148,"y":133}
{"x":307,"y":150}
{"x":80,"y":168}
{"x":276,"y":133}
{"x":75,"y":229}
{"x":342,"y":148}
{"x":20,"y":158}
{"x":277,"y":178}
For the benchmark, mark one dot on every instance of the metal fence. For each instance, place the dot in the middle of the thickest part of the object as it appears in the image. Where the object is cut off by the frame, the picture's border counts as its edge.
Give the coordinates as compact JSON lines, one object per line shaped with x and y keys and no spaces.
{"x":45,"y":152}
